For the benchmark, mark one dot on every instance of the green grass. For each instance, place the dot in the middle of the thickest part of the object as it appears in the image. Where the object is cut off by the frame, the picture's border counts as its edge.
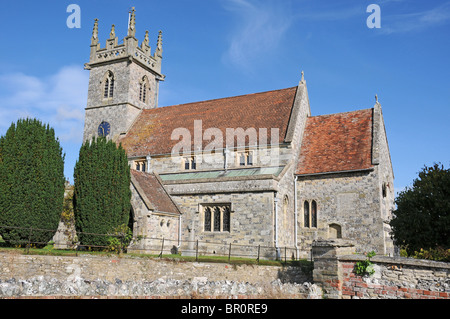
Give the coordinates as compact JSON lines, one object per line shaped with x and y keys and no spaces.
{"x":50,"y":251}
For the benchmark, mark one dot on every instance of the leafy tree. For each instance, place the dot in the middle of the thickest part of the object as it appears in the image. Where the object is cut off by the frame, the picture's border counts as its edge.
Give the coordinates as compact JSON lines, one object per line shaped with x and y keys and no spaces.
{"x":31,"y":182}
{"x":422,"y":217}
{"x":101,"y":191}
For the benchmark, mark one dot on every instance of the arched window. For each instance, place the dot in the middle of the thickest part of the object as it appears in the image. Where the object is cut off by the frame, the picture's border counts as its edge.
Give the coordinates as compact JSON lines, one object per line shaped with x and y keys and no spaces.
{"x":226,"y":218}
{"x":310,"y":214}
{"x":144,"y":86}
{"x":285,"y":205}
{"x":216,"y":218}
{"x":306,"y":213}
{"x":208,"y":219}
{"x":109,"y":85}
{"x":313,"y":214}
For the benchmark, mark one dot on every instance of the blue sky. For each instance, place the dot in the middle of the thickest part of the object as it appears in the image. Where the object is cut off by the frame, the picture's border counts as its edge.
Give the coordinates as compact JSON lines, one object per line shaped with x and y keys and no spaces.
{"x":220,"y":48}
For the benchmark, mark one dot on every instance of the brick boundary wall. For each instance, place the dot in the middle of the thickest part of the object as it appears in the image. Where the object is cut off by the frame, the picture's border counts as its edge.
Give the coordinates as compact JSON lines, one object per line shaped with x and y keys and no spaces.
{"x":394,"y":278}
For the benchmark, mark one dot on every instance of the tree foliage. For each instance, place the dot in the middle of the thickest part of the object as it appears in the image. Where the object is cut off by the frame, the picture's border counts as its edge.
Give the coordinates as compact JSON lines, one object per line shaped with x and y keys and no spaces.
{"x":31,"y":182}
{"x":101,"y":191}
{"x":422,"y":217}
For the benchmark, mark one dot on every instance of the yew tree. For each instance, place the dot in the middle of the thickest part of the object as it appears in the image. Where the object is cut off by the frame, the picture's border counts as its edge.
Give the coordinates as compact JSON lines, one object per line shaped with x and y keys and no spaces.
{"x":101,"y":191}
{"x":31,"y":183}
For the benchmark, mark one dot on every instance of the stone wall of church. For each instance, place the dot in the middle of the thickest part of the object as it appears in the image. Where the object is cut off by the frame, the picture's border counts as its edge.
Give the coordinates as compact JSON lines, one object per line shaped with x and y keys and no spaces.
{"x":385,"y":178}
{"x":286,"y":185}
{"x":251,"y":222}
{"x":263,"y":157}
{"x":348,"y":206}
{"x":151,"y":228}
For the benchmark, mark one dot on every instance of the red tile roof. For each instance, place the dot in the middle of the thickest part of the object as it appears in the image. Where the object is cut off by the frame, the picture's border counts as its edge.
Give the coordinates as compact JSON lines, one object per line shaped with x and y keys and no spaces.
{"x":151,"y":133}
{"x":337,"y":142}
{"x":154,"y":191}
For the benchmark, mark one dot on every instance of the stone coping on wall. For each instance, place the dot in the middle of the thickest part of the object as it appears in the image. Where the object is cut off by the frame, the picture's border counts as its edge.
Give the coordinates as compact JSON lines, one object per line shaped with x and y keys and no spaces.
{"x":398,"y":261}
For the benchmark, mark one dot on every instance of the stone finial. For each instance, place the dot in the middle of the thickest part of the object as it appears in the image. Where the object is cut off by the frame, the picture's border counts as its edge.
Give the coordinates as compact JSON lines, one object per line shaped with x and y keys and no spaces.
{"x":132,"y":23}
{"x":146,"y":40}
{"x":112,"y":34}
{"x":159,"y":49}
{"x":94,"y":39}
{"x":145,"y":44}
{"x":377,"y":103}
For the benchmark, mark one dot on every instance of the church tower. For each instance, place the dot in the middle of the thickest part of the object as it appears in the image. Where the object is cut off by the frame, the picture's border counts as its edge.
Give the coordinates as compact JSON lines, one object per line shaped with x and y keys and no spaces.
{"x":123,"y":80}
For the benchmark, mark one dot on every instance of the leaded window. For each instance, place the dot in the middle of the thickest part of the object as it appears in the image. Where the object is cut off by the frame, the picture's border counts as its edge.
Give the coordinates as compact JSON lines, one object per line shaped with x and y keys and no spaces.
{"x":217,"y":218}
{"x":207,"y":218}
{"x":310,"y":213}
{"x":306,"y":213}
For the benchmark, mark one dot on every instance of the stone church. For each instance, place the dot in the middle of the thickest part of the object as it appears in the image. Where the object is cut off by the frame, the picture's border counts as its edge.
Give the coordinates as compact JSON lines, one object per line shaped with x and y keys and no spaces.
{"x":251,"y":170}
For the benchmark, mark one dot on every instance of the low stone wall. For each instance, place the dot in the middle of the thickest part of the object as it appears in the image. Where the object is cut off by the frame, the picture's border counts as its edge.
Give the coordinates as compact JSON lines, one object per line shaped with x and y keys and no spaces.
{"x":333,"y":276}
{"x":39,"y":276}
{"x":394,"y":278}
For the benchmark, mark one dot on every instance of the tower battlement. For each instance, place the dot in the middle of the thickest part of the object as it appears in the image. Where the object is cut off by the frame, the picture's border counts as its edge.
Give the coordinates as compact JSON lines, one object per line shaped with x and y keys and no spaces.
{"x":128,"y":50}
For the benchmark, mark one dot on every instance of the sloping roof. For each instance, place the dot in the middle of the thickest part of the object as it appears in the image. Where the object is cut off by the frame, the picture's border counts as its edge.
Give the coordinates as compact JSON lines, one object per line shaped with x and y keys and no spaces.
{"x":153,"y":192}
{"x":256,"y":171}
{"x":151,"y":132}
{"x":337,"y":142}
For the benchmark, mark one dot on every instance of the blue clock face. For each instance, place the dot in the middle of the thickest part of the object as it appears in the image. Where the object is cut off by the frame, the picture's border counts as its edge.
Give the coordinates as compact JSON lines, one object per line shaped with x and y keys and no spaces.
{"x":104,"y":129}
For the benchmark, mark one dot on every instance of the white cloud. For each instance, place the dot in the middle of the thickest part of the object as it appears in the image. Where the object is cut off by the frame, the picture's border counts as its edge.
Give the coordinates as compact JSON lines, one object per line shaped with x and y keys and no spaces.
{"x":417,"y":21}
{"x":260,"y":27}
{"x":58,"y":100}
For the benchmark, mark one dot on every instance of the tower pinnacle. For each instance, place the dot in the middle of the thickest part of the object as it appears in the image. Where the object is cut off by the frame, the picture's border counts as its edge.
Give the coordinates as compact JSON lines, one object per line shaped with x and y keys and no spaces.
{"x":94,"y":39}
{"x":132,"y":24}
{"x":159,"y":50}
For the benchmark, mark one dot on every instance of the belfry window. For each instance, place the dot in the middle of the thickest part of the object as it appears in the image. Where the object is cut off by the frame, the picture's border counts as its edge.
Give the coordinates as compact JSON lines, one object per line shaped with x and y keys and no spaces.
{"x":109,"y":86}
{"x":217,"y":218}
{"x":143,"y":89}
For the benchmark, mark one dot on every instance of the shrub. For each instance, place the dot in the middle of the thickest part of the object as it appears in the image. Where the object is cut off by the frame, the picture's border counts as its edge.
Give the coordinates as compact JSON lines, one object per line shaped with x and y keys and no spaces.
{"x":438,"y":254}
{"x":365,"y":267}
{"x":120,"y":238}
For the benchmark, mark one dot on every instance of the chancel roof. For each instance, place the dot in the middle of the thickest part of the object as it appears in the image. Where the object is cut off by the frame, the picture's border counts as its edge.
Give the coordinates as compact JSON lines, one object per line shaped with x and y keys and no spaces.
{"x":336,"y":143}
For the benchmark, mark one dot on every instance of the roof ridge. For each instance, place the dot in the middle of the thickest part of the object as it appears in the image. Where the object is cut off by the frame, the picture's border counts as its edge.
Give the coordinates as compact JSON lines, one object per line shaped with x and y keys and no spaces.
{"x":224,"y":98}
{"x":343,"y":113}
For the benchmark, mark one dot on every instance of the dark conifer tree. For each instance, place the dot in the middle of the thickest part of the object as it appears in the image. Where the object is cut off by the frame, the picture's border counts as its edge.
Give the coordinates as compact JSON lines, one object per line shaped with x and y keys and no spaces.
{"x":31,"y":183}
{"x":101,"y":192}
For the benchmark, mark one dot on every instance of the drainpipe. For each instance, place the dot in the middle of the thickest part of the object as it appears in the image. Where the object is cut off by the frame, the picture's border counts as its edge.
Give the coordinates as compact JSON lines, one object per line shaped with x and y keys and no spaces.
{"x":149,"y":158}
{"x":295,"y":215}
{"x":276,"y":225}
{"x":179,"y":231}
